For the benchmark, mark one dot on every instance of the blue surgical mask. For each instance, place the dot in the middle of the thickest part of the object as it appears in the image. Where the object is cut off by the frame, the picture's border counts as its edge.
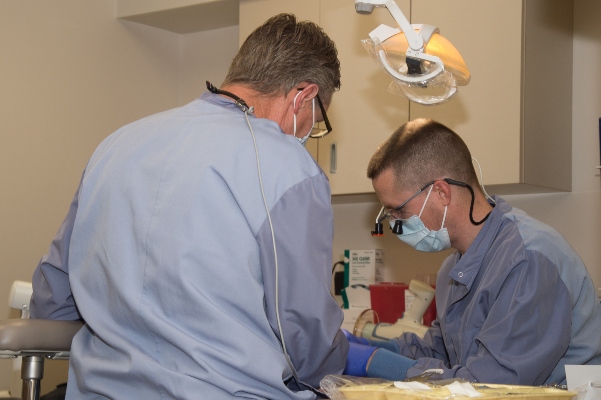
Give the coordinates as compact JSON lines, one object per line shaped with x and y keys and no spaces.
{"x":303,"y":139}
{"x":416,"y":235}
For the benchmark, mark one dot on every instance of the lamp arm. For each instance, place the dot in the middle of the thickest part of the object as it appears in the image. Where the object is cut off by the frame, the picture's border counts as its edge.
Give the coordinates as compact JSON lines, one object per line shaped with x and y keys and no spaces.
{"x":416,"y":43}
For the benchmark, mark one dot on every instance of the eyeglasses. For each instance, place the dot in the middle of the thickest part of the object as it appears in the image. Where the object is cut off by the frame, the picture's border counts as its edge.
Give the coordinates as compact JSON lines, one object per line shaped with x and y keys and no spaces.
{"x":391,"y":213}
{"x":317,"y":133}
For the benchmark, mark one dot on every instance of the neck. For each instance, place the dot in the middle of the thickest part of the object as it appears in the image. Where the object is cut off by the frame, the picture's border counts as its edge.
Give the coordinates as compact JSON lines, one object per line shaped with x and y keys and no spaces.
{"x":269,"y":107}
{"x":465,"y":231}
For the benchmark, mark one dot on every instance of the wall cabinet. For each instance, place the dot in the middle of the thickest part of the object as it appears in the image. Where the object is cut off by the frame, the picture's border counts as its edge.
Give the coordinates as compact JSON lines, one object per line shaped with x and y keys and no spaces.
{"x":363,"y":114}
{"x":515,"y":114}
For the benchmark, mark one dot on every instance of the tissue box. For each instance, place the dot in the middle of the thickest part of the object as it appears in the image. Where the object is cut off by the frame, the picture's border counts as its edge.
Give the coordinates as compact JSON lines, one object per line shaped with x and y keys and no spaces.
{"x":363,"y":267}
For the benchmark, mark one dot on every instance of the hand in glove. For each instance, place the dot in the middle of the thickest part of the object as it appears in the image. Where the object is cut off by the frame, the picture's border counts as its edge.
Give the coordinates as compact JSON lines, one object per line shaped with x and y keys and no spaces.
{"x":354,"y":339}
{"x":358,"y":358}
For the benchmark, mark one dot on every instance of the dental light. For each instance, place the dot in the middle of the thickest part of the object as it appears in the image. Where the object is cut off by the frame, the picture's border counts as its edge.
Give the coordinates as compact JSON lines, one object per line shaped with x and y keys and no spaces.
{"x":424,"y":66}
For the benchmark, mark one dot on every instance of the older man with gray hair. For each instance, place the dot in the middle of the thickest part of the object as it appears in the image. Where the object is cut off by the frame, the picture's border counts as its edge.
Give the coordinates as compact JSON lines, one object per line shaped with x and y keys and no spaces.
{"x":198,"y":247}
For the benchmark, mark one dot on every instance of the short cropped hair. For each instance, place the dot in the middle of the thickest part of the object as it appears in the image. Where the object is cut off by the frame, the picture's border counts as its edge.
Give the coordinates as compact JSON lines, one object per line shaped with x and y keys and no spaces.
{"x":423,"y":150}
{"x":283,"y":52}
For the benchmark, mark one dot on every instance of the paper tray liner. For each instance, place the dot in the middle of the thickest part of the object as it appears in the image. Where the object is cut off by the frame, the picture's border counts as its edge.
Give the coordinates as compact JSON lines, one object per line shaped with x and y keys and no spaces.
{"x":386,"y":391}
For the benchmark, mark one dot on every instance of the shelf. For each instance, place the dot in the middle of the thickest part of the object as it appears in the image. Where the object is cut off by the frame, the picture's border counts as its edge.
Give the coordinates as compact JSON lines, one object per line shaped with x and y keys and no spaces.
{"x":180,"y":16}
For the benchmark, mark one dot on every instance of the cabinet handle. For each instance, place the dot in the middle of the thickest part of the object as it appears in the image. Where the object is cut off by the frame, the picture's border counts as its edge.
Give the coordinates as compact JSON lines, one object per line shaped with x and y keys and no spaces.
{"x":333,"y":158}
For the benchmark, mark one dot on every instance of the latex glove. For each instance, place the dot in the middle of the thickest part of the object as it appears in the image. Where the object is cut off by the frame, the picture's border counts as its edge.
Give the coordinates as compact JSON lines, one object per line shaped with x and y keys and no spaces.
{"x":357,"y":359}
{"x":354,"y":339}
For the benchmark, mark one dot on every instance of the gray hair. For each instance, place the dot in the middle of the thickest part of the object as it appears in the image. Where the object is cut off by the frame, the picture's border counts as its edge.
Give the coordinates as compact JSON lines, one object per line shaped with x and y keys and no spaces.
{"x":283,"y":52}
{"x":423,"y":150}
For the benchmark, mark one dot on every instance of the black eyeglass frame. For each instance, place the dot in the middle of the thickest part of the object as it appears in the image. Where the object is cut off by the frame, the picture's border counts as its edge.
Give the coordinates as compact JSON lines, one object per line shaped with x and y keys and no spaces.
{"x":320,"y":132}
{"x":388,"y":214}
{"x":398,"y":228}
{"x":450,"y":181}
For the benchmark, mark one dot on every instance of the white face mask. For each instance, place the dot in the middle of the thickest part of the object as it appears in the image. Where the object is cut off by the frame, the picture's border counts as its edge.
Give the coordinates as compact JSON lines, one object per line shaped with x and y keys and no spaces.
{"x":303,"y":139}
{"x":416,"y":235}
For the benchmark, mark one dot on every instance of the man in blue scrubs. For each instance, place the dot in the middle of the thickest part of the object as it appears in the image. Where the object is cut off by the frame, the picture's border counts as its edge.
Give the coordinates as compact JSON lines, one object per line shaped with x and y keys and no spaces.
{"x":198,"y":247}
{"x":515,"y":303}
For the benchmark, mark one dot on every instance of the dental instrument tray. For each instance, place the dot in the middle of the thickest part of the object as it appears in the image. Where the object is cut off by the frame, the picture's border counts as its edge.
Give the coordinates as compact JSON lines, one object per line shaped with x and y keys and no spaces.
{"x":348,"y":387}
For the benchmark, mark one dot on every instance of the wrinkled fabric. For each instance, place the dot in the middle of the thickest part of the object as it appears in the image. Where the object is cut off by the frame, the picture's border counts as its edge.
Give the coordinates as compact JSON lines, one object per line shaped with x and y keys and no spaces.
{"x":166,"y":254}
{"x":515,"y":308}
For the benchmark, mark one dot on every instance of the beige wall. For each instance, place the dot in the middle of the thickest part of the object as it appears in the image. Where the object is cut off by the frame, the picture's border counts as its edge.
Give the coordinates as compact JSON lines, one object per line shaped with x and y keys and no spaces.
{"x":206,"y":56}
{"x":70,"y":74}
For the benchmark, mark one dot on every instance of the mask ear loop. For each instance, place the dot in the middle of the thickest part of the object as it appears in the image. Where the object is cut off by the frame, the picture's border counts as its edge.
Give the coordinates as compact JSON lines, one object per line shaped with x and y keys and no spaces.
{"x":304,"y":138}
{"x":482,"y":182}
{"x":444,"y":216}
{"x":313,"y":105}
{"x":293,"y":113}
{"x":424,"y":205}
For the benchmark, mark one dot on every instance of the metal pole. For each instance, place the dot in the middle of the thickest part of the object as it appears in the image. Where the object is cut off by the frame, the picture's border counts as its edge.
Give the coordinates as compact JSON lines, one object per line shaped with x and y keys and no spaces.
{"x":32,"y":372}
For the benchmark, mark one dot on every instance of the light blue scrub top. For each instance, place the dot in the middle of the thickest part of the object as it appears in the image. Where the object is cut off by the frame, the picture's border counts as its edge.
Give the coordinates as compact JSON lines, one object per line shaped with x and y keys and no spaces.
{"x":166,"y":254}
{"x":515,"y":308}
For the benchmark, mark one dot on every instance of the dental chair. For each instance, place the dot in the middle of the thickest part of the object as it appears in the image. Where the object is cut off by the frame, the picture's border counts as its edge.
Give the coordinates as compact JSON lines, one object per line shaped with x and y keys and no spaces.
{"x":34,"y":340}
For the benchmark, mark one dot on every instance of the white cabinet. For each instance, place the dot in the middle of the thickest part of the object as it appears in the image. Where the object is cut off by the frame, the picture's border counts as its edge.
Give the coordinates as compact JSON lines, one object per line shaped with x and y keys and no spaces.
{"x":487,"y":112}
{"x":515,"y":114}
{"x":363,"y":113}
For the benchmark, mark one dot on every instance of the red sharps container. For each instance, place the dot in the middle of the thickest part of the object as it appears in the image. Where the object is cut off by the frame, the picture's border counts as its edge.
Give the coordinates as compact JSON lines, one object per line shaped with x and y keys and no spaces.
{"x":388,"y":300}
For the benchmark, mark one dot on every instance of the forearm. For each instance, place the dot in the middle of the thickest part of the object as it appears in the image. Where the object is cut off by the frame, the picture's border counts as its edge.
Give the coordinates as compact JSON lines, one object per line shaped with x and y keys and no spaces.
{"x":431,"y":345}
{"x":52,"y":297}
{"x":309,"y":316}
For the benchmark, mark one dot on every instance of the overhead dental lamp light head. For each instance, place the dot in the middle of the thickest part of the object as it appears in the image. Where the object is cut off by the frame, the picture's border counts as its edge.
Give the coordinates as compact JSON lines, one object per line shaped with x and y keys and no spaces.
{"x":424,"y":66}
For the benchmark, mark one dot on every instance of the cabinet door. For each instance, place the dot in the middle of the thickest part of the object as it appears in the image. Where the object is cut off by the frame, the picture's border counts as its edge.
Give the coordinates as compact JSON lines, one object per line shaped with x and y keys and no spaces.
{"x":487,"y":112}
{"x":254,"y":12}
{"x":363,"y":113}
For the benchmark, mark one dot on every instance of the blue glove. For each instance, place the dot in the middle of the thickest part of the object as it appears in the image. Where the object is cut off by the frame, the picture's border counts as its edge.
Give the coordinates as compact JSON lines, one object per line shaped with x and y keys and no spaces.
{"x":390,"y":345}
{"x":390,"y":366}
{"x":357,"y":358}
{"x":354,"y":339}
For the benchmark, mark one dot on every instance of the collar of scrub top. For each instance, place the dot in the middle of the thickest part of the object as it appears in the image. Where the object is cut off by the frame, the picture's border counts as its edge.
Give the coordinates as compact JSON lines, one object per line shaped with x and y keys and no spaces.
{"x":249,"y":109}
{"x":237,"y":100}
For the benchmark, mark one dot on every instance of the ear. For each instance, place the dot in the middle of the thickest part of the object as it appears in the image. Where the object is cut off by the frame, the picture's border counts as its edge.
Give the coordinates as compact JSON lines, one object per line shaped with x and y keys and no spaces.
{"x":306,"y":95}
{"x":442,"y":191}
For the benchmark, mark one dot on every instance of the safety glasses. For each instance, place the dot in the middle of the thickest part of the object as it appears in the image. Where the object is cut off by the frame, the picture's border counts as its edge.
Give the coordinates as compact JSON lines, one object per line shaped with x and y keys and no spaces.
{"x":392,"y":213}
{"x":317,"y":133}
